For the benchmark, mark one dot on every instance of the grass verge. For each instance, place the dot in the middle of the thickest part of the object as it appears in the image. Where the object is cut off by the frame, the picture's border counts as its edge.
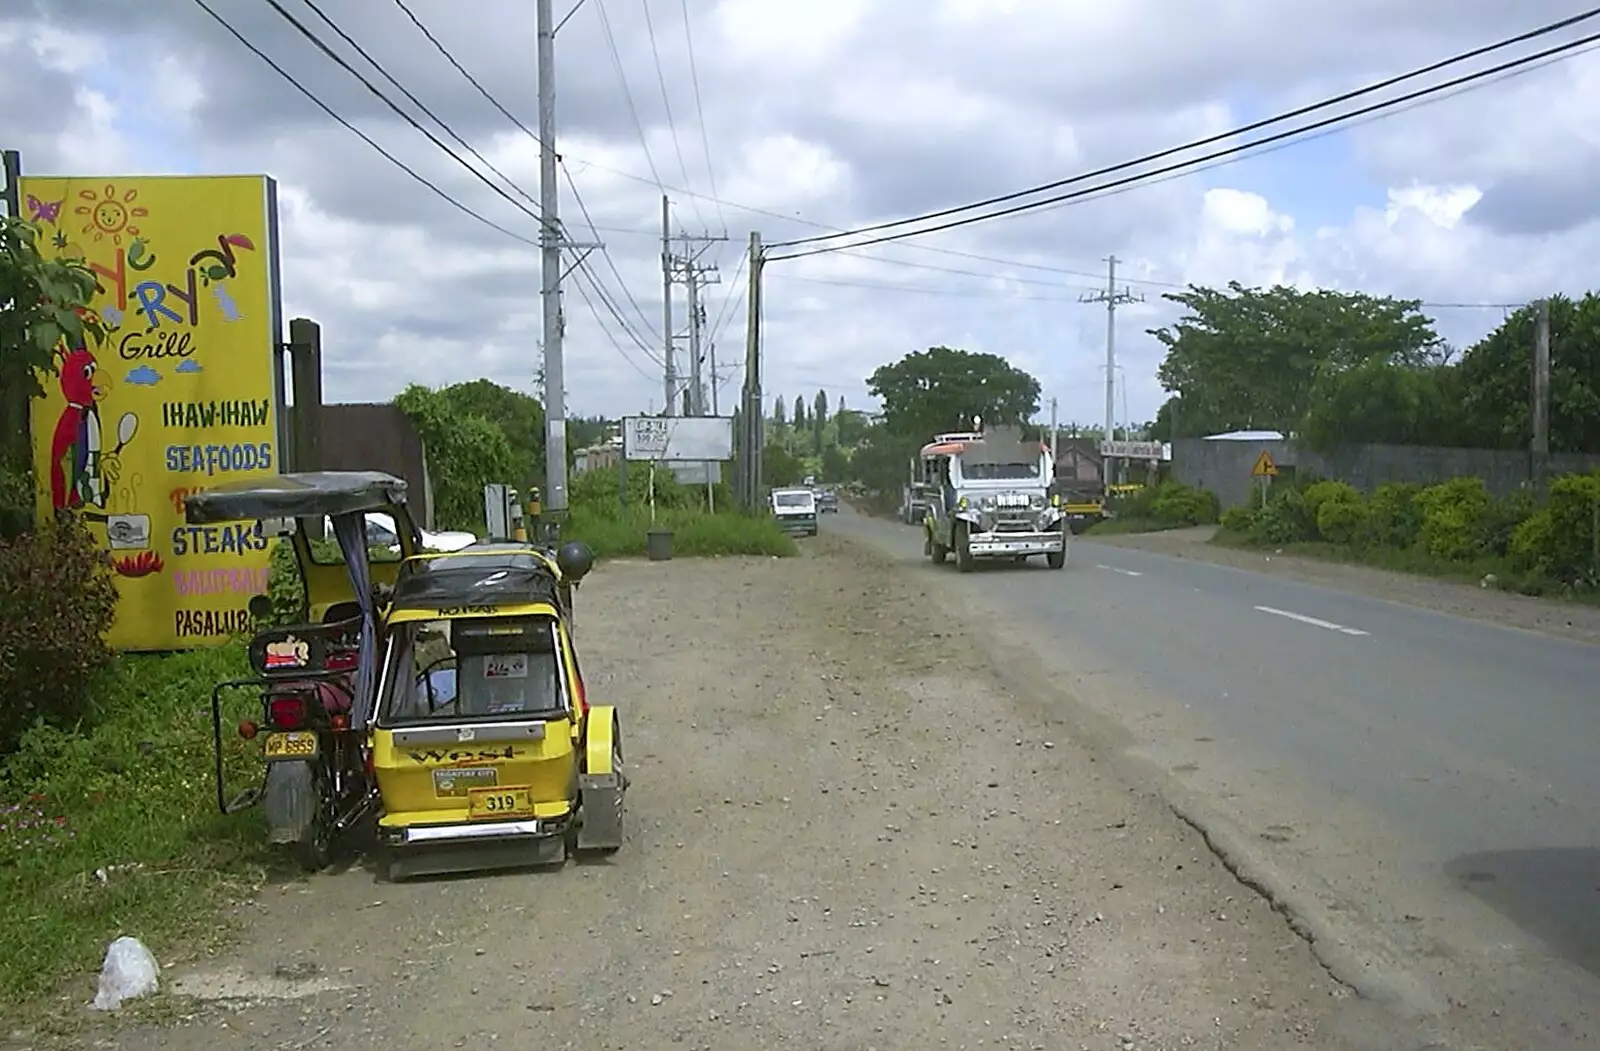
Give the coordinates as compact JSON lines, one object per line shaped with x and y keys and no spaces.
{"x":621,"y":533}
{"x":114,"y":830}
{"x":1418,"y":563}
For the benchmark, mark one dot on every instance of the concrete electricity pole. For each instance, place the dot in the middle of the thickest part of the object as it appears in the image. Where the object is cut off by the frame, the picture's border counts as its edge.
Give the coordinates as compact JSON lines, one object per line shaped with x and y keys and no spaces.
{"x":1053,"y":431}
{"x":555,"y":494}
{"x":697,"y":277}
{"x":751,"y":408}
{"x":670,"y":376}
{"x":1541,"y":395}
{"x":1112,"y":299}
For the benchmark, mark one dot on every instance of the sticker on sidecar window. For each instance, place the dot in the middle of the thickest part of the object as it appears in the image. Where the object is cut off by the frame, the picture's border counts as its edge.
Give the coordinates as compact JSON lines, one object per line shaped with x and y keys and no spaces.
{"x":455,"y":784}
{"x":507,"y":666}
{"x":288,"y":652}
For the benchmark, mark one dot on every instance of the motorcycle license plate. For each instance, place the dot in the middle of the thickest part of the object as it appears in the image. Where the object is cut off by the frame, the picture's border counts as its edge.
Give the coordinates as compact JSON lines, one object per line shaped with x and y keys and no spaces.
{"x":500,"y":802}
{"x":297,"y":744}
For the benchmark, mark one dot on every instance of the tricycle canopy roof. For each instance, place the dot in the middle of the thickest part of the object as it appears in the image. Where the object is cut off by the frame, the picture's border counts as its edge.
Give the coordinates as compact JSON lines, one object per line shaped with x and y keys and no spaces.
{"x":477,"y":576}
{"x":308,"y":495}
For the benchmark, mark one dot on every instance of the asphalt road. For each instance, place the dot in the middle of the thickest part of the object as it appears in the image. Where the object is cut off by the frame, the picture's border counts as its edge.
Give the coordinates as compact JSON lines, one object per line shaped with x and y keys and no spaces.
{"x":1414,"y":749}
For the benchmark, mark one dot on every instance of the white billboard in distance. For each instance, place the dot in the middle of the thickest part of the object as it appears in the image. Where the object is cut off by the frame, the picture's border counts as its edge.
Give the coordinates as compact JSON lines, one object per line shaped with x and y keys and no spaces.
{"x":1132,"y":450}
{"x":677,"y":439}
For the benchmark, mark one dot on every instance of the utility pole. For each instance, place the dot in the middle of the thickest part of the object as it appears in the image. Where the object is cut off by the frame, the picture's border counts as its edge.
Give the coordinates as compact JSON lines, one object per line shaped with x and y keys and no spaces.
{"x":1112,"y":299}
{"x":670,"y":378}
{"x":716,"y":383}
{"x":754,"y":424}
{"x":1053,"y":431}
{"x":683,"y":267}
{"x":1541,"y":396}
{"x":555,"y":388}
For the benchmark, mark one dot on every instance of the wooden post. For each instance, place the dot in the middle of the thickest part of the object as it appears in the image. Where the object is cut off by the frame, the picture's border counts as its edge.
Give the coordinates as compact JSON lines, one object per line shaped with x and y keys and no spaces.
{"x":305,"y":354}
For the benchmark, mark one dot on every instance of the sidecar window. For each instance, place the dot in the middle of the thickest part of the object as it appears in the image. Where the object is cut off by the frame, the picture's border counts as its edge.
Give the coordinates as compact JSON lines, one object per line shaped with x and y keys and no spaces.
{"x":474,"y":669}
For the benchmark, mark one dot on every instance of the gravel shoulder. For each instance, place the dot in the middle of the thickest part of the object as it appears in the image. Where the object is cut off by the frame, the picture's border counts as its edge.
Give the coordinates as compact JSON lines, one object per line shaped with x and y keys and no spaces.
{"x":1548,"y":616}
{"x":849,"y":828}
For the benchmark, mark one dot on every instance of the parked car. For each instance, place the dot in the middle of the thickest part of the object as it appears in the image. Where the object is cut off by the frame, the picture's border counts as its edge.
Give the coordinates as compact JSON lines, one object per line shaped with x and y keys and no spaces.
{"x":381,"y":533}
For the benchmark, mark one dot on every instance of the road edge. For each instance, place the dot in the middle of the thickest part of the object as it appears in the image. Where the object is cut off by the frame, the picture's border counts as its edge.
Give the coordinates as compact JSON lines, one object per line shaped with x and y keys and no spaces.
{"x":1396,"y":989}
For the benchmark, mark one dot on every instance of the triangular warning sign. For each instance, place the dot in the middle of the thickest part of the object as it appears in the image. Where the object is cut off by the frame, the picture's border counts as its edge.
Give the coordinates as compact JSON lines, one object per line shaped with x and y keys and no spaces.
{"x":1264,"y":467}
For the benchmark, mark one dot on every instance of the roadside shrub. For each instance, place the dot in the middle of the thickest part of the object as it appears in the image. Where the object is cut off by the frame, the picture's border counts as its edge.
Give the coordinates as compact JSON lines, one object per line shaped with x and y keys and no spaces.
{"x":1341,"y":520}
{"x":1318,"y":493}
{"x":1499,"y":520}
{"x":1394,"y":514}
{"x":285,"y":587}
{"x":16,"y":502}
{"x":1452,"y":518}
{"x":57,"y":600}
{"x":601,"y":489}
{"x":617,"y":534}
{"x":1177,"y":504}
{"x":1237,"y":519}
{"x":1533,"y":543}
{"x":1561,"y":539}
{"x":1283,"y":519}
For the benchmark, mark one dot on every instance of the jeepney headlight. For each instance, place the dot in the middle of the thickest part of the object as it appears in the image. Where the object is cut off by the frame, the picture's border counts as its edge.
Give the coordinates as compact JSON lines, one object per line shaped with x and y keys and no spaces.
{"x":1055,"y":499}
{"x":961,"y":504}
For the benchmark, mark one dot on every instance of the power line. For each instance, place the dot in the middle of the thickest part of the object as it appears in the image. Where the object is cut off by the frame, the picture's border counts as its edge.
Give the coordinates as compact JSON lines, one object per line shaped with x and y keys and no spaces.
{"x":666,"y":102}
{"x":363,"y":136}
{"x":348,"y":39}
{"x":700,"y":115}
{"x":402,"y":114}
{"x":627,"y":95}
{"x":1430,"y":93}
{"x":1211,"y":139}
{"x":928,"y":290}
{"x":584,"y":209}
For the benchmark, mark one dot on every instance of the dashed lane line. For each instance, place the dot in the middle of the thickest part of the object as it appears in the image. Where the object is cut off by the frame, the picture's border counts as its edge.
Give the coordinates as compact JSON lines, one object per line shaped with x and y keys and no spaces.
{"x":1313,"y":621}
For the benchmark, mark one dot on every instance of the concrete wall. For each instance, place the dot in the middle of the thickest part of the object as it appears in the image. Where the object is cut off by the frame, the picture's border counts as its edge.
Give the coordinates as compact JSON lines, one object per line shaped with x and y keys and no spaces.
{"x":1224,"y":467}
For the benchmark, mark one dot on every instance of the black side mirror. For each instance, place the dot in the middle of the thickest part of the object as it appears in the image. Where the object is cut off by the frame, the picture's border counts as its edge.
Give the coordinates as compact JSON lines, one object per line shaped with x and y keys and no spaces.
{"x":576,"y":559}
{"x":260,"y":607}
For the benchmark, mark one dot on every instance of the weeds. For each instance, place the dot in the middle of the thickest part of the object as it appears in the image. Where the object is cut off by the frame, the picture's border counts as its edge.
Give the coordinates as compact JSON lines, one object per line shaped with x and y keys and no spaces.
{"x":694,"y":533}
{"x":112,"y":828}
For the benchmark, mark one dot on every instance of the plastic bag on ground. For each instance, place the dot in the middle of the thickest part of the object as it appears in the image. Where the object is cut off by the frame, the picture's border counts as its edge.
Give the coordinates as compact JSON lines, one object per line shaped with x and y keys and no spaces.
{"x":130,"y":971}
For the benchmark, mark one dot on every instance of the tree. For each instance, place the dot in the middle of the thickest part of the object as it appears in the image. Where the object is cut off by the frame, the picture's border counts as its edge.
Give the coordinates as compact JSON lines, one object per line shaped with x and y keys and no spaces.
{"x":779,"y":466}
{"x":777,"y":411}
{"x":1249,"y":357}
{"x":1495,"y":379}
{"x":520,"y":416}
{"x":942,"y":389}
{"x":799,"y":416}
{"x":44,"y":303}
{"x":819,"y":418}
{"x":465,"y":452}
{"x":1383,"y":402}
{"x":835,"y":464}
{"x":882,"y":461}
{"x":850,"y":427}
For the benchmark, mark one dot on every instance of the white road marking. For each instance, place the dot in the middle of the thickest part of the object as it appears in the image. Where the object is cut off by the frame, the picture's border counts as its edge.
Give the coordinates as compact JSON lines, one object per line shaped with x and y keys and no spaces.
{"x":1124,"y":572}
{"x":1315,"y":622}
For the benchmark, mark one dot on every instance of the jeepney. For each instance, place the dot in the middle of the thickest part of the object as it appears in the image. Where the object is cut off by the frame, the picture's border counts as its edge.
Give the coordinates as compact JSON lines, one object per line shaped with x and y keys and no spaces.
{"x":991,"y":499}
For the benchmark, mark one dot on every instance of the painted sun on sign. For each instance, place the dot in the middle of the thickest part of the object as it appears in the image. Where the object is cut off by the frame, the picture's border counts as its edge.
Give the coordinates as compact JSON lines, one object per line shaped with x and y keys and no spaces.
{"x":110,"y":215}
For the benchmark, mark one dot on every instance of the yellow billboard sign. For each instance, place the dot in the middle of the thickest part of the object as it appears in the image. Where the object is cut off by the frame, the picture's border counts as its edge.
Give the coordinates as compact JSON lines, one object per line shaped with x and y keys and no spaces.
{"x":180,"y":395}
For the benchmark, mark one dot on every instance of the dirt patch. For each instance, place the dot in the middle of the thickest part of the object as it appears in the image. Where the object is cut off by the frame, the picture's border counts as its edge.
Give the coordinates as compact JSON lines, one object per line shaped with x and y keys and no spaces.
{"x":845,"y":832}
{"x":1548,"y":616}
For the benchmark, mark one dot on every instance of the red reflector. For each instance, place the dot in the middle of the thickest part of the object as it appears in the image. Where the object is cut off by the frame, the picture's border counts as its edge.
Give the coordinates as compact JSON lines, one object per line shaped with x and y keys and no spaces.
{"x":287,"y":712}
{"x":247,"y":729}
{"x":339,"y":722}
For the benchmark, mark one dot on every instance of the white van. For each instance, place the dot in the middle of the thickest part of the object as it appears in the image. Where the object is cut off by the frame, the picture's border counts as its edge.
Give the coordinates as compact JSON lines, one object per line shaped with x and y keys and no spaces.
{"x":796,"y":510}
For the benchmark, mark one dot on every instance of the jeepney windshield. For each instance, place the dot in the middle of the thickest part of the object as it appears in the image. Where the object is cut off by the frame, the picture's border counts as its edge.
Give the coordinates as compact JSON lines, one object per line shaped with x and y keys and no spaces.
{"x":800,"y":499}
{"x":484,"y":668}
{"x":986,"y":472}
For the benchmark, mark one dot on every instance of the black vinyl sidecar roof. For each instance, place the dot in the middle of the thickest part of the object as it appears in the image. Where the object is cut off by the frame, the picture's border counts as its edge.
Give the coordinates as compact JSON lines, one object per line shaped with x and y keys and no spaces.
{"x":486,"y":575}
{"x":306,"y":495}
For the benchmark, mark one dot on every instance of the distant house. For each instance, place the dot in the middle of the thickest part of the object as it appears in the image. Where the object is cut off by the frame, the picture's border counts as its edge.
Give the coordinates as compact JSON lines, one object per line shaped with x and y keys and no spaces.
{"x":596,"y":456}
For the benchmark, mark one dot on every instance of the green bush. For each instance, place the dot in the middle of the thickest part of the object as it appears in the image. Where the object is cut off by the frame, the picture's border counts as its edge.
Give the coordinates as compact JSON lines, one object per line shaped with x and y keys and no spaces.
{"x":1238,"y":519}
{"x":1318,"y":493}
{"x":694,"y":532}
{"x":1533,"y":543}
{"x":600,"y":489}
{"x":1341,"y":520}
{"x":1394,"y":515}
{"x":130,"y":796}
{"x":1453,"y":514}
{"x":57,"y":600}
{"x":1282,"y":519}
{"x":16,"y":502}
{"x":1177,"y":504}
{"x":1499,"y":520}
{"x":1563,"y":542}
{"x":285,"y":587}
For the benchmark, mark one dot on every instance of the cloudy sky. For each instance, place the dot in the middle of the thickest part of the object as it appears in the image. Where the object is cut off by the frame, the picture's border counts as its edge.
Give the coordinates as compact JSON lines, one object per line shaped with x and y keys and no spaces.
{"x":794,"y":119}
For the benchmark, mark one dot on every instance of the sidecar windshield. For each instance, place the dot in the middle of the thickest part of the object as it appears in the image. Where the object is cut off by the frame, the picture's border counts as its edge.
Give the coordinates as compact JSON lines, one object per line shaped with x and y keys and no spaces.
{"x":489,"y":668}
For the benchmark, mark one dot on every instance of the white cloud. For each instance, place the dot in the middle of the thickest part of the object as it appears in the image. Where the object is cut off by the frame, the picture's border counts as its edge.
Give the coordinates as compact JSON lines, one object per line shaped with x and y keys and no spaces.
{"x":841,"y":112}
